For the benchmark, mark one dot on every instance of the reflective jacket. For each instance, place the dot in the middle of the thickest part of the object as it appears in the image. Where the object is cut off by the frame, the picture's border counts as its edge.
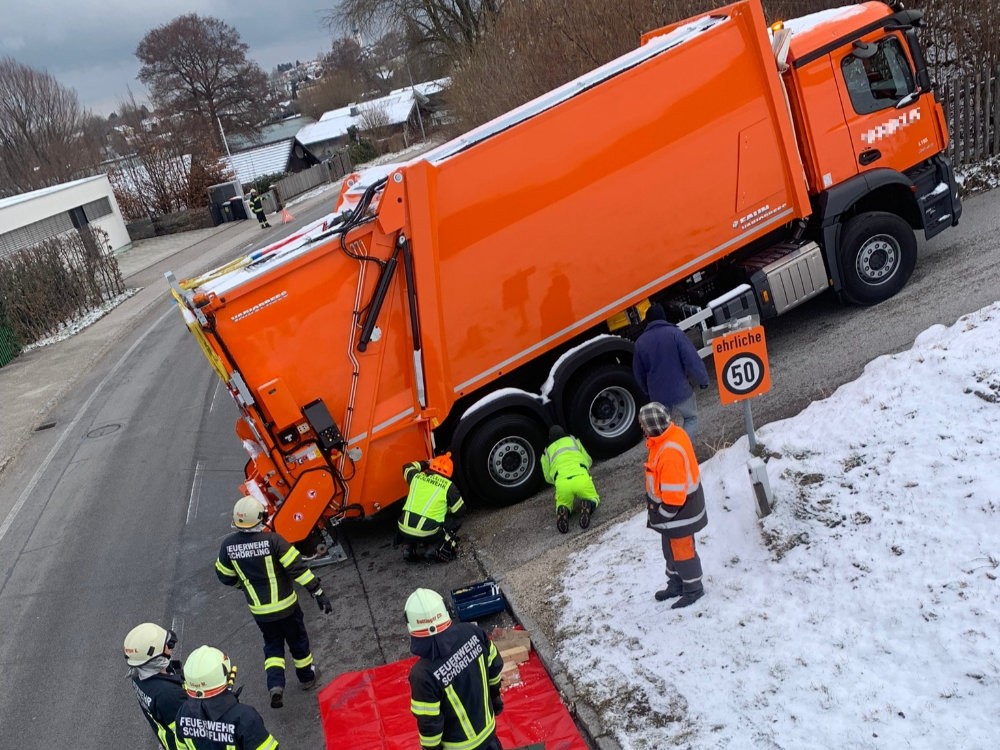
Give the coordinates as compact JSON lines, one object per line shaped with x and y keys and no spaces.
{"x":456,"y":689}
{"x":565,"y":457}
{"x":431,"y":499}
{"x":264,"y":564}
{"x":221,"y":723}
{"x":257,"y":203}
{"x":673,"y":485}
{"x":159,"y":697}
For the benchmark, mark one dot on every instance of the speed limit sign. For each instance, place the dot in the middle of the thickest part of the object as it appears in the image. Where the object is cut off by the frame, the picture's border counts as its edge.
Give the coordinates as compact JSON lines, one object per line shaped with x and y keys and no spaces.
{"x":741,"y":364}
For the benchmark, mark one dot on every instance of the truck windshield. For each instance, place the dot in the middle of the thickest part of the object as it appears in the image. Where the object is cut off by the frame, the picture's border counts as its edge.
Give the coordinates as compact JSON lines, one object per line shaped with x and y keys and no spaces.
{"x":879,"y":81}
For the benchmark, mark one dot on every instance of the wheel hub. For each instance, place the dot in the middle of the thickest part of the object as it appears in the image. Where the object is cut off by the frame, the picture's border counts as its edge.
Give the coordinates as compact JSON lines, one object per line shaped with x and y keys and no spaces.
{"x":612,"y":412}
{"x":511,"y":461}
{"x":878,"y":259}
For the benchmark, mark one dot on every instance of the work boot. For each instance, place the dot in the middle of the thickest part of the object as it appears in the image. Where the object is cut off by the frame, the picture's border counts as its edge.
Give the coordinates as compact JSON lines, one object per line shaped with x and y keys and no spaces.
{"x":586,"y":508}
{"x":277,"y":697}
{"x":688,"y":599}
{"x":310,"y":683}
{"x":562,"y":521}
{"x":409,"y":554}
{"x":672,"y":591}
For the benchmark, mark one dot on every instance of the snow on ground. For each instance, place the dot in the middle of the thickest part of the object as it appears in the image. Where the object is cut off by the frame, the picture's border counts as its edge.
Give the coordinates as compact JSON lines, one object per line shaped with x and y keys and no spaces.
{"x":75,"y":326}
{"x":862,"y":613}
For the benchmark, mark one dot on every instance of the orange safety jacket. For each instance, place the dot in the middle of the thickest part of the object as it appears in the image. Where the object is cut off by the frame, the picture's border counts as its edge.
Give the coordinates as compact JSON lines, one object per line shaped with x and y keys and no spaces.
{"x":673,"y":485}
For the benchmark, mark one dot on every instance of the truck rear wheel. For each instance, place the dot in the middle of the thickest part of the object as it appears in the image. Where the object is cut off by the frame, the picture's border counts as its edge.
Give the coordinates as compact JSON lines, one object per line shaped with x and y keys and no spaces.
{"x":501,"y":459}
{"x":602,"y":411}
{"x":877,"y":255}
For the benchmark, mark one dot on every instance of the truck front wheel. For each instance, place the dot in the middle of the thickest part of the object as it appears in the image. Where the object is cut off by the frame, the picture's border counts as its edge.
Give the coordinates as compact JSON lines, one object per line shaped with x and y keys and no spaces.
{"x":501,"y":459}
{"x":877,"y":255}
{"x":602,"y":411}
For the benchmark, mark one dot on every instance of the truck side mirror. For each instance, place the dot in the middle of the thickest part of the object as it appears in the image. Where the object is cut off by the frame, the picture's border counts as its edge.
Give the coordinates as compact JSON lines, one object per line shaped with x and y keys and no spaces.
{"x":864,"y":50}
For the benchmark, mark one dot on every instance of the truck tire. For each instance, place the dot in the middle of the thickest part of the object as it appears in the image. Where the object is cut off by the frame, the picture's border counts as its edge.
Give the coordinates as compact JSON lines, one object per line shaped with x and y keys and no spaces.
{"x":501,"y":459}
{"x":877,"y":255}
{"x":602,"y":410}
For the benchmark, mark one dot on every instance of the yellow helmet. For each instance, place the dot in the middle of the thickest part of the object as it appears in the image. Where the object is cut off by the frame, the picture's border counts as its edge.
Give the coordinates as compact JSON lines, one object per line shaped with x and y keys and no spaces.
{"x":147,"y":641}
{"x":207,"y":672}
{"x":248,"y":512}
{"x":426,"y":613}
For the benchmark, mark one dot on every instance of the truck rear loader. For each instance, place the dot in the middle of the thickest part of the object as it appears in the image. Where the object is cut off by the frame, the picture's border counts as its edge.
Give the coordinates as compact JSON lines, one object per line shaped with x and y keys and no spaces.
{"x":468,"y":298}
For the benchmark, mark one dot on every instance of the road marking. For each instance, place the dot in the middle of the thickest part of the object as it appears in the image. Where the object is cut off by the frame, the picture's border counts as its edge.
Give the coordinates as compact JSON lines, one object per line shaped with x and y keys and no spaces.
{"x":215,"y":393}
{"x":44,"y":466}
{"x":177,"y":625}
{"x":195,"y":494}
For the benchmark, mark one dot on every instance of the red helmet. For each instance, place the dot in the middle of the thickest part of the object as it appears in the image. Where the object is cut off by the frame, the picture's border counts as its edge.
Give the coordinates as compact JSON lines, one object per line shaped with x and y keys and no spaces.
{"x":442,"y":465}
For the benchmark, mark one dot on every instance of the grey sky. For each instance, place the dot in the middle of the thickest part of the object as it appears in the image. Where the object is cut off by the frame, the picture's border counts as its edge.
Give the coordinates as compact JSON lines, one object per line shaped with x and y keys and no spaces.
{"x":89,"y":45}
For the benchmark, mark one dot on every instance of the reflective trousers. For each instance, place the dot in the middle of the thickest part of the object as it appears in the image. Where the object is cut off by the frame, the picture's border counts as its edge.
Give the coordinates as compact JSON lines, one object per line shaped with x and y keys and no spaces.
{"x":290,"y":630}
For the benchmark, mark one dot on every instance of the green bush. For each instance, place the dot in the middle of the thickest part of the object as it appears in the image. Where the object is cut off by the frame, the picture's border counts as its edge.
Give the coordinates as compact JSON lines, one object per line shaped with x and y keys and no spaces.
{"x":264,"y":182}
{"x":362,"y":151}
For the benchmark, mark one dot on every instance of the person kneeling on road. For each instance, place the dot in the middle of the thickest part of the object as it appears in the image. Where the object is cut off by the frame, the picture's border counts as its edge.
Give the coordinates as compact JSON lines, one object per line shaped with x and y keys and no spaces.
{"x":430,"y":517}
{"x":565,"y":463}
{"x":264,"y":565}
{"x":215,"y":719}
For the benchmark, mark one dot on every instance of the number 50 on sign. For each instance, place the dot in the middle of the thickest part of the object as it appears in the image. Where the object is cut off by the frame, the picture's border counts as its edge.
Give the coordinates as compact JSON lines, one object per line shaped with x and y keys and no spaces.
{"x":741,"y":364}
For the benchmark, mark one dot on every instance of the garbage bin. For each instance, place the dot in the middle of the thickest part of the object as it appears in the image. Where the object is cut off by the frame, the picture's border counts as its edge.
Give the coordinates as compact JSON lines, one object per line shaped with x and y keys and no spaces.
{"x":215,"y":210}
{"x":238,"y":208}
{"x":227,"y":212}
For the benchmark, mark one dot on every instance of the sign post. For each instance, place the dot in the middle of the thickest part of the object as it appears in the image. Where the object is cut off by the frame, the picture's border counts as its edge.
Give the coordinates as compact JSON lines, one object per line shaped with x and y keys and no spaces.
{"x":742,"y":370}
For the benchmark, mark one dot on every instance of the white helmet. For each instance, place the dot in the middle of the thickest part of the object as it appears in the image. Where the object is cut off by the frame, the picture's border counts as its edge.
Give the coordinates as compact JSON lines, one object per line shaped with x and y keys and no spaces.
{"x":426,"y":613}
{"x":147,"y":641}
{"x":248,"y":512}
{"x":207,"y":672}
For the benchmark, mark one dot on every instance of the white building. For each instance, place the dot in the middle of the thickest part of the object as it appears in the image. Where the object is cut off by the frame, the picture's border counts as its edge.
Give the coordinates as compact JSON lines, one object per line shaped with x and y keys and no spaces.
{"x":31,"y":218}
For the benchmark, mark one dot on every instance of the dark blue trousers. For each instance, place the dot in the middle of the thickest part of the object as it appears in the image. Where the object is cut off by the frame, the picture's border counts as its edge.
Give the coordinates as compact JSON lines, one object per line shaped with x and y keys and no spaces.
{"x":290,"y":630}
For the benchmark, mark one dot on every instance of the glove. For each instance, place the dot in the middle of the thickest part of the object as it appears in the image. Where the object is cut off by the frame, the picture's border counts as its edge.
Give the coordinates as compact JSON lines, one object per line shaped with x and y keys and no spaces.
{"x":322,"y":601}
{"x":703,"y":387}
{"x":497,"y":702}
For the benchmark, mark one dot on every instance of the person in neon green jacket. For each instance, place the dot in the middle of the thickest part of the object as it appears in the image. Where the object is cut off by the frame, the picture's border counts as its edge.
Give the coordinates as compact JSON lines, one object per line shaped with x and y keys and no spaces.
{"x":566,"y":464}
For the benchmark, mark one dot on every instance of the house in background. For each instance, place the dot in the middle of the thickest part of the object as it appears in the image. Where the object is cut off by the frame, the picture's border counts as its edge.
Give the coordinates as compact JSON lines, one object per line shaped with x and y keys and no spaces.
{"x":274,"y":150}
{"x":401,"y":111}
{"x":32,"y":218}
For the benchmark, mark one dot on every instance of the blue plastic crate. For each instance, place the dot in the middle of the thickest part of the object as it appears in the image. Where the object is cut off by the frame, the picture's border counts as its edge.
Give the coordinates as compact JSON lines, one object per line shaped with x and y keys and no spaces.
{"x":478,"y":599}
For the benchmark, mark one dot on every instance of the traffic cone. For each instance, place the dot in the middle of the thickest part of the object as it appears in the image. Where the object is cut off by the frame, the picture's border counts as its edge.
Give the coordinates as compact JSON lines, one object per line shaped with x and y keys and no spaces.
{"x":286,"y":216}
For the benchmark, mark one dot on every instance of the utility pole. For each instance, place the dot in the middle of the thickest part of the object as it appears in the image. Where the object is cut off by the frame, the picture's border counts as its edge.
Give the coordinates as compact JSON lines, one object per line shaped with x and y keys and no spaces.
{"x":223,"y":132}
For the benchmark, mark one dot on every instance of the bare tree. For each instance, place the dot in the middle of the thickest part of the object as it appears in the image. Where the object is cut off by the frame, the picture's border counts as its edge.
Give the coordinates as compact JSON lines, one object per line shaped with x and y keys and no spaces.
{"x":197,"y":66}
{"x":452,"y":28}
{"x":376,"y":123}
{"x":44,"y":133}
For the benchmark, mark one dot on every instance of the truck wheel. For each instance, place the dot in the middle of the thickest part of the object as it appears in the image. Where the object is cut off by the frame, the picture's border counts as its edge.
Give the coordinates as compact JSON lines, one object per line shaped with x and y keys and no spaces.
{"x":877,"y":255}
{"x":602,"y":411}
{"x":501,"y":459}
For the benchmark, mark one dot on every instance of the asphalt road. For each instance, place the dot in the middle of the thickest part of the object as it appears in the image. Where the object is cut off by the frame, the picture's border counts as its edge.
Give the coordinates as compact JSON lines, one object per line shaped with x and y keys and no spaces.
{"x":128,"y":497}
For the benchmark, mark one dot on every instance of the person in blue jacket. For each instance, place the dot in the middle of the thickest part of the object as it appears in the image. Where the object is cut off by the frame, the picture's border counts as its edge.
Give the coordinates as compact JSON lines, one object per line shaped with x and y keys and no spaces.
{"x":664,"y":364}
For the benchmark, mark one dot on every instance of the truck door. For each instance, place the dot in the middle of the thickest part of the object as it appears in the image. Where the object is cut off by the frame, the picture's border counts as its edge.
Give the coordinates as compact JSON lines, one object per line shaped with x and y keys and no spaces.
{"x":890,"y":120}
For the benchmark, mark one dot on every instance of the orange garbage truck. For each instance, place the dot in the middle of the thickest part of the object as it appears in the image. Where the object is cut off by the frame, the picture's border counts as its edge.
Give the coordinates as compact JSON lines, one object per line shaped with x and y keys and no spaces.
{"x":467,"y":298}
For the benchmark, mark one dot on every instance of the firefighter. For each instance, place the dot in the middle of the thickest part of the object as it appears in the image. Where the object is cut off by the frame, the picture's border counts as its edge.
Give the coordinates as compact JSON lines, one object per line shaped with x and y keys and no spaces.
{"x":430,"y":514}
{"x":455,"y":683}
{"x":675,"y":502}
{"x":264,"y":565}
{"x":214,"y":718}
{"x":257,"y":206}
{"x":565,"y":463}
{"x":156,"y":679}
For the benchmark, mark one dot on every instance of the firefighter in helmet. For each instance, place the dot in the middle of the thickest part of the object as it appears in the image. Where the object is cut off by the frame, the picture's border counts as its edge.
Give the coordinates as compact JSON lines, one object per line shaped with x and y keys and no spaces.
{"x":156,"y":678}
{"x":455,"y":683}
{"x":265,"y":566}
{"x":431,"y":512}
{"x":257,"y":206}
{"x":214,"y":718}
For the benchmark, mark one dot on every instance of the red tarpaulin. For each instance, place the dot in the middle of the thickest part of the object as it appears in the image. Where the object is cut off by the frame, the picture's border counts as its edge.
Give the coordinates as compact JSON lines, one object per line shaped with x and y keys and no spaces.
{"x":370,"y":710}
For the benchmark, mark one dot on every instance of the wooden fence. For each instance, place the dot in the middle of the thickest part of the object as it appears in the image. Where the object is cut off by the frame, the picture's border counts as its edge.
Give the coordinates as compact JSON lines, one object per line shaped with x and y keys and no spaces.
{"x":972,"y":107}
{"x":328,"y":171}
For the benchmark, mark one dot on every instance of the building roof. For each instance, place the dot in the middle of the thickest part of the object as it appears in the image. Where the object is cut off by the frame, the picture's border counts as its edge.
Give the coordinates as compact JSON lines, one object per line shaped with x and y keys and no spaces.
{"x":277,"y":131}
{"x":15,"y":199}
{"x":397,"y":106}
{"x":257,"y":162}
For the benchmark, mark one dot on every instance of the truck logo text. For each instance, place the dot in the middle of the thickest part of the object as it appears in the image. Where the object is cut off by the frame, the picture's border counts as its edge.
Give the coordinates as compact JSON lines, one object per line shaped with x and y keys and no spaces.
{"x":756,"y":217}
{"x":259,"y":306}
{"x":891,"y":126}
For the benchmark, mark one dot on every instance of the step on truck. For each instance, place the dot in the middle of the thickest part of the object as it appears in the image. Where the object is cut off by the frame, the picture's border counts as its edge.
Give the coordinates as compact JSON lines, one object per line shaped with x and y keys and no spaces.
{"x":468,"y":298}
